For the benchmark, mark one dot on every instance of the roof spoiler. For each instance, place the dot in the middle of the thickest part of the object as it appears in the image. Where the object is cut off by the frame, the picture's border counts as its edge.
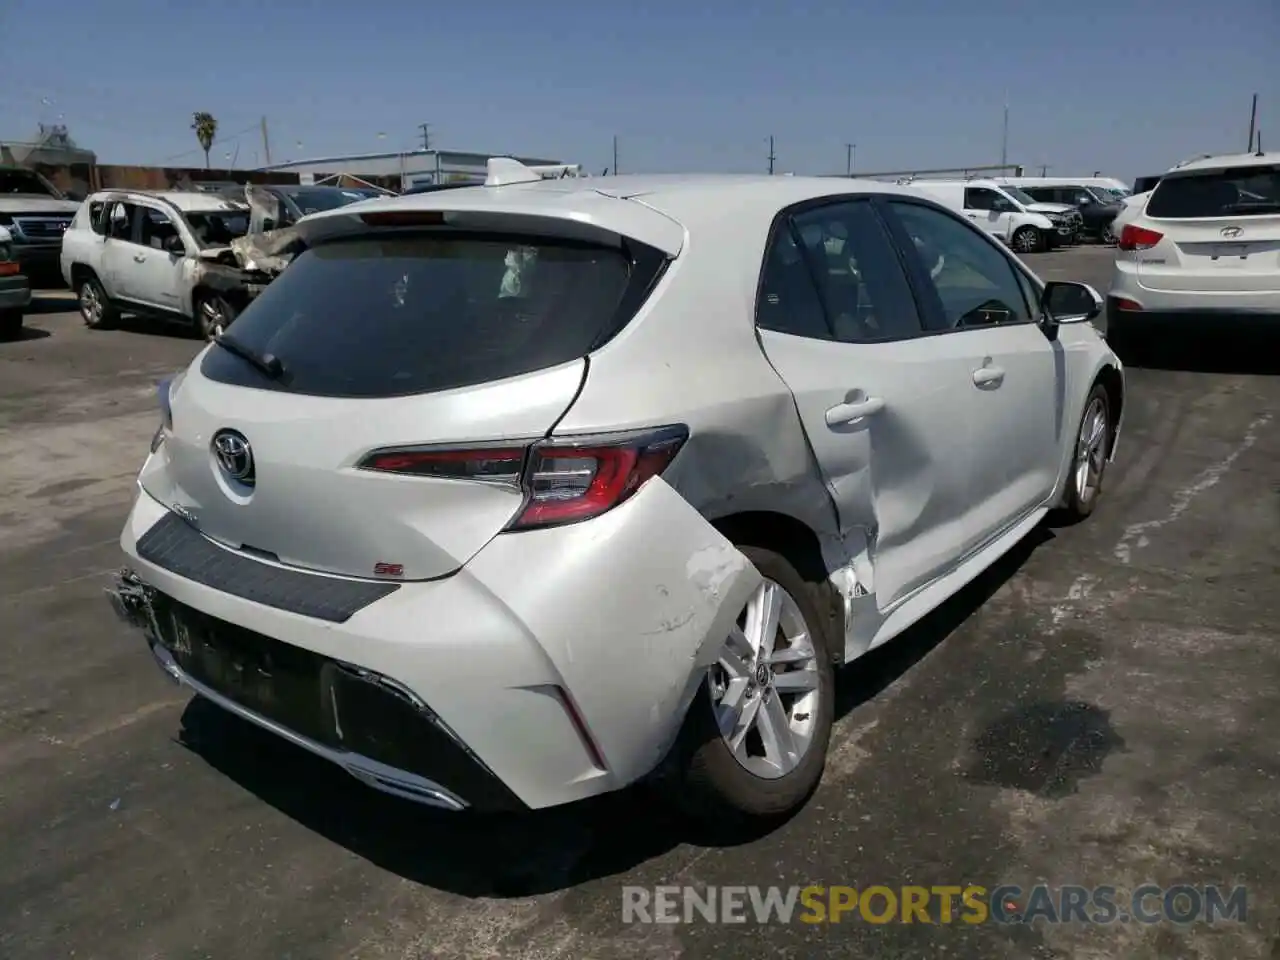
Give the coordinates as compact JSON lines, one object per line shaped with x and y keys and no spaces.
{"x":501,"y":171}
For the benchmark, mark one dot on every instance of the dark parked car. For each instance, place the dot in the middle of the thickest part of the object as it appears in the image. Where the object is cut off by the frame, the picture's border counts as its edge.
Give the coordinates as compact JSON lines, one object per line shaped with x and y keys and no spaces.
{"x":1097,"y":207}
{"x":296,"y":201}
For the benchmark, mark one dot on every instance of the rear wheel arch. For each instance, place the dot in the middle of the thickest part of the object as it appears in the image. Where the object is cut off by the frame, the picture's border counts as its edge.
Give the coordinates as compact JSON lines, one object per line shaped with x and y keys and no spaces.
{"x":799,"y":544}
{"x":80,"y":273}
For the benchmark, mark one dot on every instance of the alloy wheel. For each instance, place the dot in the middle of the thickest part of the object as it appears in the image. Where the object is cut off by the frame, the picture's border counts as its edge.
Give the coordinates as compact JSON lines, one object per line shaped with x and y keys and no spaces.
{"x":90,"y":304}
{"x":765,"y":685}
{"x":1024,"y":241}
{"x":1091,"y":450}
{"x":213,"y":320}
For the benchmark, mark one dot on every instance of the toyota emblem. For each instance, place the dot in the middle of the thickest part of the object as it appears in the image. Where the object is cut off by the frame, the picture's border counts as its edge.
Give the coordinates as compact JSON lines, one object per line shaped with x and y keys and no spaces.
{"x":1231,"y":232}
{"x":234,"y":455}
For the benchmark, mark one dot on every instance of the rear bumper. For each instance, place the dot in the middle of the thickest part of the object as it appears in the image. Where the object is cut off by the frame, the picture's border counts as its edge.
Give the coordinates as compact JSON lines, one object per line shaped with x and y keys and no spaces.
{"x":15,"y":292}
{"x":381,"y":718}
{"x":557,"y":665}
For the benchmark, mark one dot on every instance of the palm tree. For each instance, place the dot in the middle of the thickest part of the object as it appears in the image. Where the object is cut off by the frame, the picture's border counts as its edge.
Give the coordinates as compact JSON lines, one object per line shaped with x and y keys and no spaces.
{"x":206,"y":128}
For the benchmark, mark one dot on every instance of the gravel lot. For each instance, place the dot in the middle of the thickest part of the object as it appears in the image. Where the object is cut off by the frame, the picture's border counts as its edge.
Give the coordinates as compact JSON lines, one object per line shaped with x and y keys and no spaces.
{"x":1100,"y":709}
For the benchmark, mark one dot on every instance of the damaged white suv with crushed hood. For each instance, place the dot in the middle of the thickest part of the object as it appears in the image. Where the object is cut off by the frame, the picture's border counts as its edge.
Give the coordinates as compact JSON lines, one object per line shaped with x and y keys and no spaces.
{"x":507,"y":496}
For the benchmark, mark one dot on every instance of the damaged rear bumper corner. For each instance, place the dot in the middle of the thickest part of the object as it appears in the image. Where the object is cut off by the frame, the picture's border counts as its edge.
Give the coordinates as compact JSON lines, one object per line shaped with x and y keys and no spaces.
{"x":584,"y":644}
{"x":134,"y":602}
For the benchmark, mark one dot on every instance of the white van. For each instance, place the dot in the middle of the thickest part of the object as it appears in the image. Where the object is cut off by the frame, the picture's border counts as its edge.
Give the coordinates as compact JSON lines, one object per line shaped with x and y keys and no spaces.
{"x":995,"y":210}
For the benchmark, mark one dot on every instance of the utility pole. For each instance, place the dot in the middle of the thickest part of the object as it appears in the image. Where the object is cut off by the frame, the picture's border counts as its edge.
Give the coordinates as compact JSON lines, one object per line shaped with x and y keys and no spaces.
{"x":1044,"y":169}
{"x":266,"y":144}
{"x":615,"y":154}
{"x":849,"y":149}
{"x":1253,"y":123}
{"x":1004,"y":136}
{"x":771,"y":156}
{"x":426,"y":135}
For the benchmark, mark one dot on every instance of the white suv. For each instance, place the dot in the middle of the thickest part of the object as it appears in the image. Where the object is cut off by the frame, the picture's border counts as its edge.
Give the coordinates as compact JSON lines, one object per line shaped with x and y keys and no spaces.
{"x":1206,"y":243}
{"x":161,"y":254}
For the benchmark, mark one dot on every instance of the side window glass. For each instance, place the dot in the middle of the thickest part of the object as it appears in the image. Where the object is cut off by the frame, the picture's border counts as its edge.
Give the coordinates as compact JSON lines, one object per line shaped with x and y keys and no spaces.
{"x":158,"y":231}
{"x":977,"y":198}
{"x":974,"y":281}
{"x":97,"y":223}
{"x":789,"y":302}
{"x":865,"y":292}
{"x":120,"y":221}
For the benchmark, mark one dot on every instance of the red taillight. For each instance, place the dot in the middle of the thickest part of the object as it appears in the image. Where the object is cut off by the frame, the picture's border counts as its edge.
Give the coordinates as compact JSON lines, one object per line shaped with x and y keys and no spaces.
{"x":1123,"y":303}
{"x":563,"y":480}
{"x":8,"y":268}
{"x":1138,"y":238}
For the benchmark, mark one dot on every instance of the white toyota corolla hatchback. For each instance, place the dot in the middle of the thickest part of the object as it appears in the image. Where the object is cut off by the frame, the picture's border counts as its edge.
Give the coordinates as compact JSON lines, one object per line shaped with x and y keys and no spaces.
{"x":506,"y":496}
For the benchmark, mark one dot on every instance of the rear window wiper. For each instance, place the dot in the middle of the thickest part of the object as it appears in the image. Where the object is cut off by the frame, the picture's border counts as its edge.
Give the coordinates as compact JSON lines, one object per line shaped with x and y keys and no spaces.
{"x":267,"y":364}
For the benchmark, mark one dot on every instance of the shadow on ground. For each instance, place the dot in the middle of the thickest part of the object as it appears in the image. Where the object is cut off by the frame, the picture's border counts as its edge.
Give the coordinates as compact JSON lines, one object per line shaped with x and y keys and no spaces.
{"x":153,"y":327}
{"x":1205,"y":346}
{"x":529,"y":853}
{"x":42,"y":304}
{"x":25,"y":334}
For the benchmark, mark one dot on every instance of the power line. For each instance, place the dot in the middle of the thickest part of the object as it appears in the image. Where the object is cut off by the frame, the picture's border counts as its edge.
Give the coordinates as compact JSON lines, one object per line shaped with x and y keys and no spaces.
{"x":217,"y":142}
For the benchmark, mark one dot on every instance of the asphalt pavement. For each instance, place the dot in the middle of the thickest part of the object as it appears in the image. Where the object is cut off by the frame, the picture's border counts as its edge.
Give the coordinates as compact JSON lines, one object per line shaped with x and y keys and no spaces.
{"x":1099,"y":709}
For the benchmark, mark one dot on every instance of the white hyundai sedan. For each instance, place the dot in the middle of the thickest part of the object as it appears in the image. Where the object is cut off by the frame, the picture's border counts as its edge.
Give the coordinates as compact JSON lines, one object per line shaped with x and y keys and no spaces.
{"x":511,"y":495}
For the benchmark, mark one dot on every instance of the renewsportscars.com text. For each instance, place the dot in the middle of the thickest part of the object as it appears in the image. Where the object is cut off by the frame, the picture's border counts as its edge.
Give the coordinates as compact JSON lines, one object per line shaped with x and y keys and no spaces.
{"x":971,"y":904}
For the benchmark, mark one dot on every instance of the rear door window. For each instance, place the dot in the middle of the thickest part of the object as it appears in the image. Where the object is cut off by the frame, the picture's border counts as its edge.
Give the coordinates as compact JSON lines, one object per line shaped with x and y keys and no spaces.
{"x":400,"y":315}
{"x":1234,"y":192}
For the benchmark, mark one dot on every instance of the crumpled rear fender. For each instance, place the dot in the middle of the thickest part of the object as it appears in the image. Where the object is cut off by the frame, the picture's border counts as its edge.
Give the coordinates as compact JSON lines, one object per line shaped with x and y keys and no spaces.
{"x":630,"y":608}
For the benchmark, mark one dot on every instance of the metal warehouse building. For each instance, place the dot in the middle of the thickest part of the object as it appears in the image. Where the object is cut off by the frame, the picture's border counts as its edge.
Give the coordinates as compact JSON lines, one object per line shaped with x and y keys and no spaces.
{"x":400,"y":171}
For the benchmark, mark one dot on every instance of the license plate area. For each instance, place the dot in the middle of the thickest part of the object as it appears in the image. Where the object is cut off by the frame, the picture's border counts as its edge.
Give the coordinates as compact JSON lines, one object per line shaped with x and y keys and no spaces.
{"x":280,"y":682}
{"x":1230,"y":254}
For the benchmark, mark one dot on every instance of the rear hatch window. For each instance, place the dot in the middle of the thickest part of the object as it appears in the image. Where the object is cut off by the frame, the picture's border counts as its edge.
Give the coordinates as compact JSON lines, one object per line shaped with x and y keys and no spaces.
{"x":395,"y":315}
{"x":1235,"y":192}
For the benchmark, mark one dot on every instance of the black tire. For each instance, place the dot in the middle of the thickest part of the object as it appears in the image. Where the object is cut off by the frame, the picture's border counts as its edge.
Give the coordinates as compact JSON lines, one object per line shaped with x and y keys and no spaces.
{"x":1076,"y":504}
{"x":106,"y":315}
{"x":702,"y":775}
{"x":10,"y":324}
{"x":213,"y":314}
{"x":1028,"y":240}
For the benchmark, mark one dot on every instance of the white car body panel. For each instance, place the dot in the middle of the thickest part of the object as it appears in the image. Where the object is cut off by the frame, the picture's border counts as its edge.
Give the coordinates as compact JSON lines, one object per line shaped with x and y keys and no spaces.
{"x":308,"y":448}
{"x":622,"y":613}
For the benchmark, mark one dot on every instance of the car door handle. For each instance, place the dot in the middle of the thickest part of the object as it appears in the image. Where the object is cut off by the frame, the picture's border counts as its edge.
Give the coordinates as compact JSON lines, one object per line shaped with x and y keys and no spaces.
{"x":972,"y":216}
{"x":848,"y":412}
{"x":985,"y":376}
{"x":139,"y":258}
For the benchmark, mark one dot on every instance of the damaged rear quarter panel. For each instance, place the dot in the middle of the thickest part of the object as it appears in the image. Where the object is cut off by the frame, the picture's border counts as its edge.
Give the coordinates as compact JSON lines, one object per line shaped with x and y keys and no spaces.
{"x":630,"y":607}
{"x":691,"y":356}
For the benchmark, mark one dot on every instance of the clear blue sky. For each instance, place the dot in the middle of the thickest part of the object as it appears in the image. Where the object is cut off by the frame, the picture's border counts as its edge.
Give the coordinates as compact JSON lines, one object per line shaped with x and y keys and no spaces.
{"x":1128,"y":86}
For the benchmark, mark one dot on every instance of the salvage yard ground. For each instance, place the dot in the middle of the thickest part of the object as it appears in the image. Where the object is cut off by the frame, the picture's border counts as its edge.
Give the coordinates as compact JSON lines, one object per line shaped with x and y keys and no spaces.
{"x":1100,"y":709}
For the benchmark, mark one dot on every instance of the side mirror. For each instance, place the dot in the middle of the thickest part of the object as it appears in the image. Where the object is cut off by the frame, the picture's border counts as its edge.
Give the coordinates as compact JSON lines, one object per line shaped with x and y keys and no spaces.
{"x":174,"y":244}
{"x":1065,"y":301}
